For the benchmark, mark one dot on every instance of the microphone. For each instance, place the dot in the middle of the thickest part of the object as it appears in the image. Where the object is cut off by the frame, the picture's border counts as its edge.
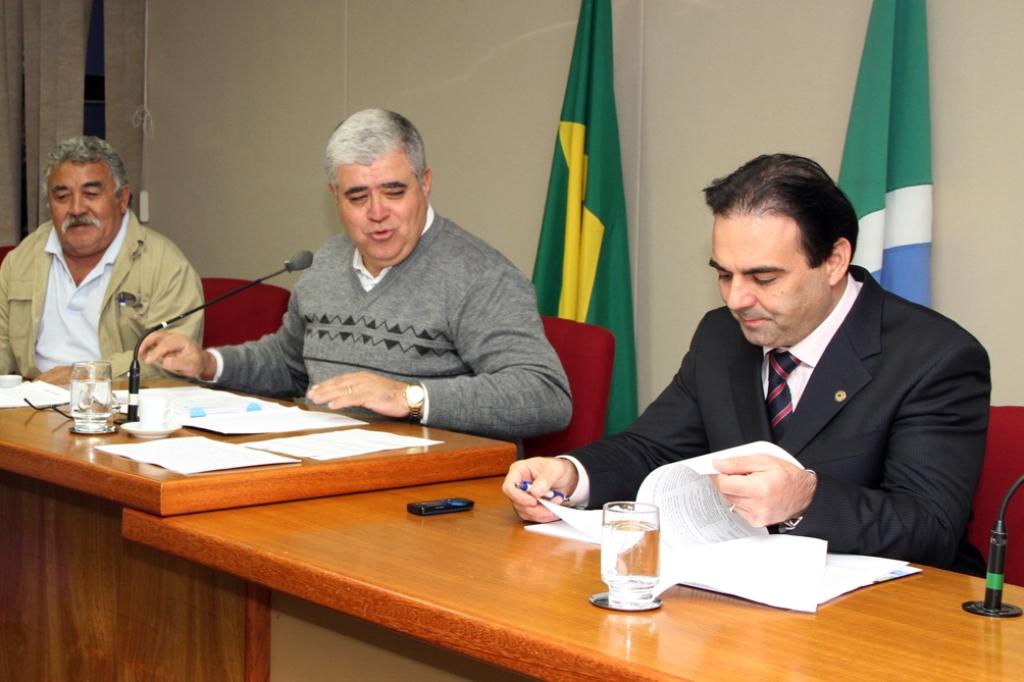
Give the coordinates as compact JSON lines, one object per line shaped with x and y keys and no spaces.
{"x":993,"y":605}
{"x":300,"y":261}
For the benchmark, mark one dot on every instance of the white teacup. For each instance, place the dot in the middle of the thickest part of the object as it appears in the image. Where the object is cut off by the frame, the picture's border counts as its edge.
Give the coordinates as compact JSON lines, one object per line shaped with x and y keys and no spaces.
{"x":155,"y":412}
{"x":10,"y":380}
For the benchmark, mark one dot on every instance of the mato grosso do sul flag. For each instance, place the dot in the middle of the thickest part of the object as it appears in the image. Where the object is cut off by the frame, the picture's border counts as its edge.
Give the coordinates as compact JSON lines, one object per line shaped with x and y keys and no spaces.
{"x":582,"y":267}
{"x":887,"y":162}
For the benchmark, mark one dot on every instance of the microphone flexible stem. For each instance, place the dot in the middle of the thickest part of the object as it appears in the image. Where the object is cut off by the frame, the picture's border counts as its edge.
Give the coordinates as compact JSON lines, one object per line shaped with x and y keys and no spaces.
{"x":299,"y":261}
{"x":1009,"y":495}
{"x":207,"y":304}
{"x":995,"y":570}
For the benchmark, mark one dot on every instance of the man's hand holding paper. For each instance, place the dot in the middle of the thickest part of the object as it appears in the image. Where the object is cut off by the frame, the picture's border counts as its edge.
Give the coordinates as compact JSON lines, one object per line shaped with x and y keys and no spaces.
{"x":764,"y":489}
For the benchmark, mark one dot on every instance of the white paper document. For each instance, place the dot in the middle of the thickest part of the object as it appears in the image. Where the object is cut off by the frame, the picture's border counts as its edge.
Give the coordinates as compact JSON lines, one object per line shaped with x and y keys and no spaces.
{"x":195,"y":455}
{"x":40,"y":393}
{"x":847,"y":572}
{"x":271,"y":421}
{"x":233,"y":414}
{"x":198,"y":401}
{"x":705,"y":545}
{"x":337,"y":444}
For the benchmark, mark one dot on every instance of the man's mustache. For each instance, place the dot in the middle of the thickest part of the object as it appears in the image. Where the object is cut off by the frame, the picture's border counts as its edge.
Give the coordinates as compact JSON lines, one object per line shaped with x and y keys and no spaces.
{"x":78,"y":220}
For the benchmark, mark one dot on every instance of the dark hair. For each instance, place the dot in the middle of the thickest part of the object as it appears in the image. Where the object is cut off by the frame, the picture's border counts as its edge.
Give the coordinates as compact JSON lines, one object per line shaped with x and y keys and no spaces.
{"x":792,"y":186}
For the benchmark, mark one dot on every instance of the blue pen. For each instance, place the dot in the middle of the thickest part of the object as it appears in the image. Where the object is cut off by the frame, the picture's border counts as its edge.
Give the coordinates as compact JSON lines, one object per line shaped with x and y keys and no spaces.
{"x":549,"y":495}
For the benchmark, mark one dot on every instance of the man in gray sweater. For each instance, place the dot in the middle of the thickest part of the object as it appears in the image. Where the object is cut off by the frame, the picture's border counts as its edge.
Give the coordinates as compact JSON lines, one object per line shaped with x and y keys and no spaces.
{"x":406,"y":315}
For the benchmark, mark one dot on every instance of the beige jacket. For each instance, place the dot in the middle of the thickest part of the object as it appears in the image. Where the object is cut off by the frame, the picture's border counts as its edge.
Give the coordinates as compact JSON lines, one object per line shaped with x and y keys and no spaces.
{"x":156,"y":279}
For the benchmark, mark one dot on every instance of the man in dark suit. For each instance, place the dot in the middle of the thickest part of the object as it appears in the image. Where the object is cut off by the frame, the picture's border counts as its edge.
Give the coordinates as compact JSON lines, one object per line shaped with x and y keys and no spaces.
{"x":883,"y":401}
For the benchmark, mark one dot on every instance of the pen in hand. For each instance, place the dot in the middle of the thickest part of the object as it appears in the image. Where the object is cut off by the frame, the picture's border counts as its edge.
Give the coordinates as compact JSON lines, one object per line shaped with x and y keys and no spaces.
{"x":549,"y":495}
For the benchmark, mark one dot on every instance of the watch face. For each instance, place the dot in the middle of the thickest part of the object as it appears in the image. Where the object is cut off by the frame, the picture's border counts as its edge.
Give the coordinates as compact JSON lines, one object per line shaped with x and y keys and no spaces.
{"x":414,"y":394}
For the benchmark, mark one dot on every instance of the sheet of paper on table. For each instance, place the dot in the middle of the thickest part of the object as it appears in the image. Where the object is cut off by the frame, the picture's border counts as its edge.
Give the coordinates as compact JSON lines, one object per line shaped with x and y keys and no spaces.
{"x":194,"y":455}
{"x":233,"y":414}
{"x":337,"y":444}
{"x":40,"y":393}
{"x":271,"y":421}
{"x":199,"y":401}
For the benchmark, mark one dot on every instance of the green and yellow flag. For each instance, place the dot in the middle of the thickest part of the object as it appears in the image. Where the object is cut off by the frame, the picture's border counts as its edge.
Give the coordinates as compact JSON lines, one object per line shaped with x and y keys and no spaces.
{"x":582,"y":267}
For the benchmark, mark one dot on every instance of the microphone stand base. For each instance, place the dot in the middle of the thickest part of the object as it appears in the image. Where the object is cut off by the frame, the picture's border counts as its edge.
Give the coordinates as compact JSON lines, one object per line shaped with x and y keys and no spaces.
{"x":1004,"y":611}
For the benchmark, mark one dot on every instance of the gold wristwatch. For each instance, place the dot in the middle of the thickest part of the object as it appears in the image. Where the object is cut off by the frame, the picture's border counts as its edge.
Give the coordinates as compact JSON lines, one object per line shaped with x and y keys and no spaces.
{"x":415,"y":396}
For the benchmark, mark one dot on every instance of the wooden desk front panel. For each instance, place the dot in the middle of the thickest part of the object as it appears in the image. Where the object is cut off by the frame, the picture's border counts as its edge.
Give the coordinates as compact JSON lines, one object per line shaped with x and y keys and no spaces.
{"x":78,"y":602}
{"x":479,"y":584}
{"x":40,"y":445}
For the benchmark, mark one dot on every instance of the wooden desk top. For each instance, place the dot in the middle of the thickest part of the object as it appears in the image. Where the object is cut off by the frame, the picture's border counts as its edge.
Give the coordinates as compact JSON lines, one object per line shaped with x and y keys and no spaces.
{"x":40,"y":445}
{"x":478,"y":583}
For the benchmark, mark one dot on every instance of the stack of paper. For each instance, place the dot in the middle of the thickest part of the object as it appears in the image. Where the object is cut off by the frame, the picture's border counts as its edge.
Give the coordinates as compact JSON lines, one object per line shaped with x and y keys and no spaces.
{"x":704,"y":545}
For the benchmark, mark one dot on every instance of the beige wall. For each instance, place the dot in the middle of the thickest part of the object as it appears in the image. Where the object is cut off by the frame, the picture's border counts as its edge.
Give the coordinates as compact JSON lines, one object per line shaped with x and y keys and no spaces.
{"x":243,"y":97}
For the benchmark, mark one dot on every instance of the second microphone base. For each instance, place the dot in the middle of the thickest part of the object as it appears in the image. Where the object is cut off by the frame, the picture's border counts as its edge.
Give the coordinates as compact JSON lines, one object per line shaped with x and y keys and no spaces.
{"x":1003,"y":611}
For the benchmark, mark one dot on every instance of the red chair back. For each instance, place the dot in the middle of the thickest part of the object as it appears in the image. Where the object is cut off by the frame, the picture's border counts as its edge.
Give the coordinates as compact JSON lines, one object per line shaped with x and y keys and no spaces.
{"x":244,"y":317}
{"x":587,"y":352}
{"x":4,"y":250}
{"x":1004,"y":464}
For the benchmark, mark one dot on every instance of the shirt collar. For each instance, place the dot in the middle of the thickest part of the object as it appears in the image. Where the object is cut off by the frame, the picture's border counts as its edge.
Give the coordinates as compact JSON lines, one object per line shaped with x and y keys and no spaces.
{"x":810,"y":348}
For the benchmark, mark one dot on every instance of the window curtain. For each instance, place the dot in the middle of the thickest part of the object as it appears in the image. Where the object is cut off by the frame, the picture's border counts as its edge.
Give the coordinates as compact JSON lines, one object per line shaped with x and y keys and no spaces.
{"x":124,"y":36}
{"x":42,"y":74}
{"x":54,"y":34}
{"x":10,"y":121}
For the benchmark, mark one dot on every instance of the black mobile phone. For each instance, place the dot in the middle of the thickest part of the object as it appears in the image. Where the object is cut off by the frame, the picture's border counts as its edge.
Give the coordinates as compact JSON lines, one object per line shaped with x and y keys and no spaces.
{"x":445,"y":506}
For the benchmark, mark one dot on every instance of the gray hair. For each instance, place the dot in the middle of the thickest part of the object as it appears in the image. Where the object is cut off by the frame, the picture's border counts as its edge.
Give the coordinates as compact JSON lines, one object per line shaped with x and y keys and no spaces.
{"x":368,"y":135}
{"x":86,"y":149}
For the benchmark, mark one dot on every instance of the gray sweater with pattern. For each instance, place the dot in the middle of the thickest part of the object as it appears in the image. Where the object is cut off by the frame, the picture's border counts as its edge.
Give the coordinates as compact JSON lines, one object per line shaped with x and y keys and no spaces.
{"x":455,"y":315}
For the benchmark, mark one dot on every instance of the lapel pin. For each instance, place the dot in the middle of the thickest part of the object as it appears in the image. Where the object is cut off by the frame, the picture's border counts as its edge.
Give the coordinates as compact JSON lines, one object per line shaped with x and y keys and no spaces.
{"x":839,"y":396}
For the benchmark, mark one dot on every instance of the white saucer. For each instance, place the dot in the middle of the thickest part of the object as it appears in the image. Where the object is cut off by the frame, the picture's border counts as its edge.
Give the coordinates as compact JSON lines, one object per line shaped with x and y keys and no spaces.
{"x":139,"y":430}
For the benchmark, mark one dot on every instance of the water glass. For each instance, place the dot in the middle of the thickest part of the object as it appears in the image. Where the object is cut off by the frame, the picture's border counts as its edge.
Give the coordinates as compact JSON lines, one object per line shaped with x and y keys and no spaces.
{"x":630,"y":540}
{"x":92,"y":400}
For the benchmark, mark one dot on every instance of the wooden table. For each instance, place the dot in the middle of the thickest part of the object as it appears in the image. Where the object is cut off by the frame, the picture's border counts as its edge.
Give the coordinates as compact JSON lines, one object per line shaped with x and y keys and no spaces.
{"x":477,"y":583}
{"x":79,"y":602}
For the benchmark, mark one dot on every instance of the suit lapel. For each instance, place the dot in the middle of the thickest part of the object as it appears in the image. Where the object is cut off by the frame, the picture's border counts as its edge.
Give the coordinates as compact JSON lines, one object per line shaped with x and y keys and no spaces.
{"x":834,"y":383}
{"x":841,"y":372}
{"x":748,"y":394}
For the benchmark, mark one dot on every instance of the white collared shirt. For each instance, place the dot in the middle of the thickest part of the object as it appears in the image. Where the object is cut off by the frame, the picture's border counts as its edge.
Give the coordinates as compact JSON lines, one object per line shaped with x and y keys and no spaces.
{"x":69,"y":328}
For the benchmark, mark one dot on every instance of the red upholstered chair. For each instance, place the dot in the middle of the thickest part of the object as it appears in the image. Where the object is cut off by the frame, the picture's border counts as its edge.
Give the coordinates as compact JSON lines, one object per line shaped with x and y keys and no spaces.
{"x":1004,"y":464}
{"x":4,"y":250}
{"x":245,"y":316}
{"x":587,"y":352}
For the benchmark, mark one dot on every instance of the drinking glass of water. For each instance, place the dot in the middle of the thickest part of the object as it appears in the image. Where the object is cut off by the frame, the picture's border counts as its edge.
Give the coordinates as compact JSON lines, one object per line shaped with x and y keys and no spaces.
{"x":630,"y":541}
{"x":92,"y":400}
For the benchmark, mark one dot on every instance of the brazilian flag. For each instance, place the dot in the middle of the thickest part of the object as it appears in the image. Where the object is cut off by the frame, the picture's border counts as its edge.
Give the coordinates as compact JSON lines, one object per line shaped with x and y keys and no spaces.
{"x":582,"y":267}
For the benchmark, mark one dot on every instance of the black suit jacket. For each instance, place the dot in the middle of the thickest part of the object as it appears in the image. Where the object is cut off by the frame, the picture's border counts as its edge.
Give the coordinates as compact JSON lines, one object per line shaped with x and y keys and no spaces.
{"x":893,"y":422}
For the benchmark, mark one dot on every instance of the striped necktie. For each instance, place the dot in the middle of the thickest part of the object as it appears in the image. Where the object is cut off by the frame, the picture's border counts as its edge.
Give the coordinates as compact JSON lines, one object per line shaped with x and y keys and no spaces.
{"x":779,"y":402}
